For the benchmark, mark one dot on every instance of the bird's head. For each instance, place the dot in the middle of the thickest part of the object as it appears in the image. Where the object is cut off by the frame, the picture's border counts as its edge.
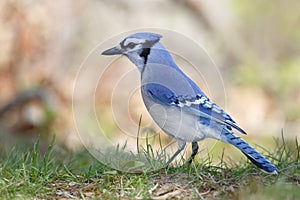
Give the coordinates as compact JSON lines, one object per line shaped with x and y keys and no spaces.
{"x":136,"y":47}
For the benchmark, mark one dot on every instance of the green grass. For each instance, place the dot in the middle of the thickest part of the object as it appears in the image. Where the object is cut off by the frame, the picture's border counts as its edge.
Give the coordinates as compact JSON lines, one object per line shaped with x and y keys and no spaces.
{"x":28,"y":173}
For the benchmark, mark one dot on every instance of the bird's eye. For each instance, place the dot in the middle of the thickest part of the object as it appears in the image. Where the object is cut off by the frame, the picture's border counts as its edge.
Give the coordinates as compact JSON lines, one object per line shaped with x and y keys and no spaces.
{"x":131,"y":45}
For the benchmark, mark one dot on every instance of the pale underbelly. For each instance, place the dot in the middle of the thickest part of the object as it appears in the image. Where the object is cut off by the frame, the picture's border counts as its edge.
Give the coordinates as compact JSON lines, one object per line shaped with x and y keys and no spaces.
{"x":181,"y":125}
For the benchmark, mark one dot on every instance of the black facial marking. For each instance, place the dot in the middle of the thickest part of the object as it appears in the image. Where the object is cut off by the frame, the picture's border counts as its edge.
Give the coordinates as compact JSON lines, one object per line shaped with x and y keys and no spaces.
{"x":122,"y":44}
{"x":145,"y":53}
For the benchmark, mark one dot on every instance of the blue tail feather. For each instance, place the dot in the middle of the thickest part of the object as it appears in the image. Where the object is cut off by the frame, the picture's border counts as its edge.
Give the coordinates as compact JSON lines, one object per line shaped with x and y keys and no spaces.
{"x":256,"y":158}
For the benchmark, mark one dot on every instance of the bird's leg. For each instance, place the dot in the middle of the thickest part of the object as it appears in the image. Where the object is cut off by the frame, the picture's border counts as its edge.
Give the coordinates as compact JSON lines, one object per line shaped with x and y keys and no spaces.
{"x":181,"y":145}
{"x":195,"y":148}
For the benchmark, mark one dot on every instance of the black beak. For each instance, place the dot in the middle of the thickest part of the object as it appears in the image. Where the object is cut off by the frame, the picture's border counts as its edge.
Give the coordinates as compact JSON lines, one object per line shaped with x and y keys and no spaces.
{"x":112,"y":51}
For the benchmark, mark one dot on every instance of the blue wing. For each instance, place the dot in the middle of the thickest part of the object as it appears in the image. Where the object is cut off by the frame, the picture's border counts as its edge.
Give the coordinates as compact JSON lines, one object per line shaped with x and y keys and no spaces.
{"x":198,"y":105}
{"x":160,"y":94}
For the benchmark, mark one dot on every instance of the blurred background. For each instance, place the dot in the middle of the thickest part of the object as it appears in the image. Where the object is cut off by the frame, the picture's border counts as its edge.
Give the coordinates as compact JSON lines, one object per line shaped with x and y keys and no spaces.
{"x":255,"y":44}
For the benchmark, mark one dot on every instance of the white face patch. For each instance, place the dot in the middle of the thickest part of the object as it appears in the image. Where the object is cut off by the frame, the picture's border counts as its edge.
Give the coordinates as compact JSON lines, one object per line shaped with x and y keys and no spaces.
{"x":133,"y":40}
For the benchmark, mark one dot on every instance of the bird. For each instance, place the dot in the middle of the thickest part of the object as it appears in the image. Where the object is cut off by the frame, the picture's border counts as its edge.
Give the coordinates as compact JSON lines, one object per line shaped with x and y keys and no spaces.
{"x":176,"y":104}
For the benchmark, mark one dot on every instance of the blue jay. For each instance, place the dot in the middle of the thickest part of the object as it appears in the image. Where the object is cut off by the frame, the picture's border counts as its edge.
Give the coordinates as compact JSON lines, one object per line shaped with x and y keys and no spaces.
{"x":177,"y":104}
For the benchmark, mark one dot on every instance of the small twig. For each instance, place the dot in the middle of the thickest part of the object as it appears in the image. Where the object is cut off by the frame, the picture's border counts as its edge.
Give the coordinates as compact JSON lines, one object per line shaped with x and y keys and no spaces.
{"x":167,"y":195}
{"x":153,"y":189}
{"x":201,"y":194}
{"x":289,"y":167}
